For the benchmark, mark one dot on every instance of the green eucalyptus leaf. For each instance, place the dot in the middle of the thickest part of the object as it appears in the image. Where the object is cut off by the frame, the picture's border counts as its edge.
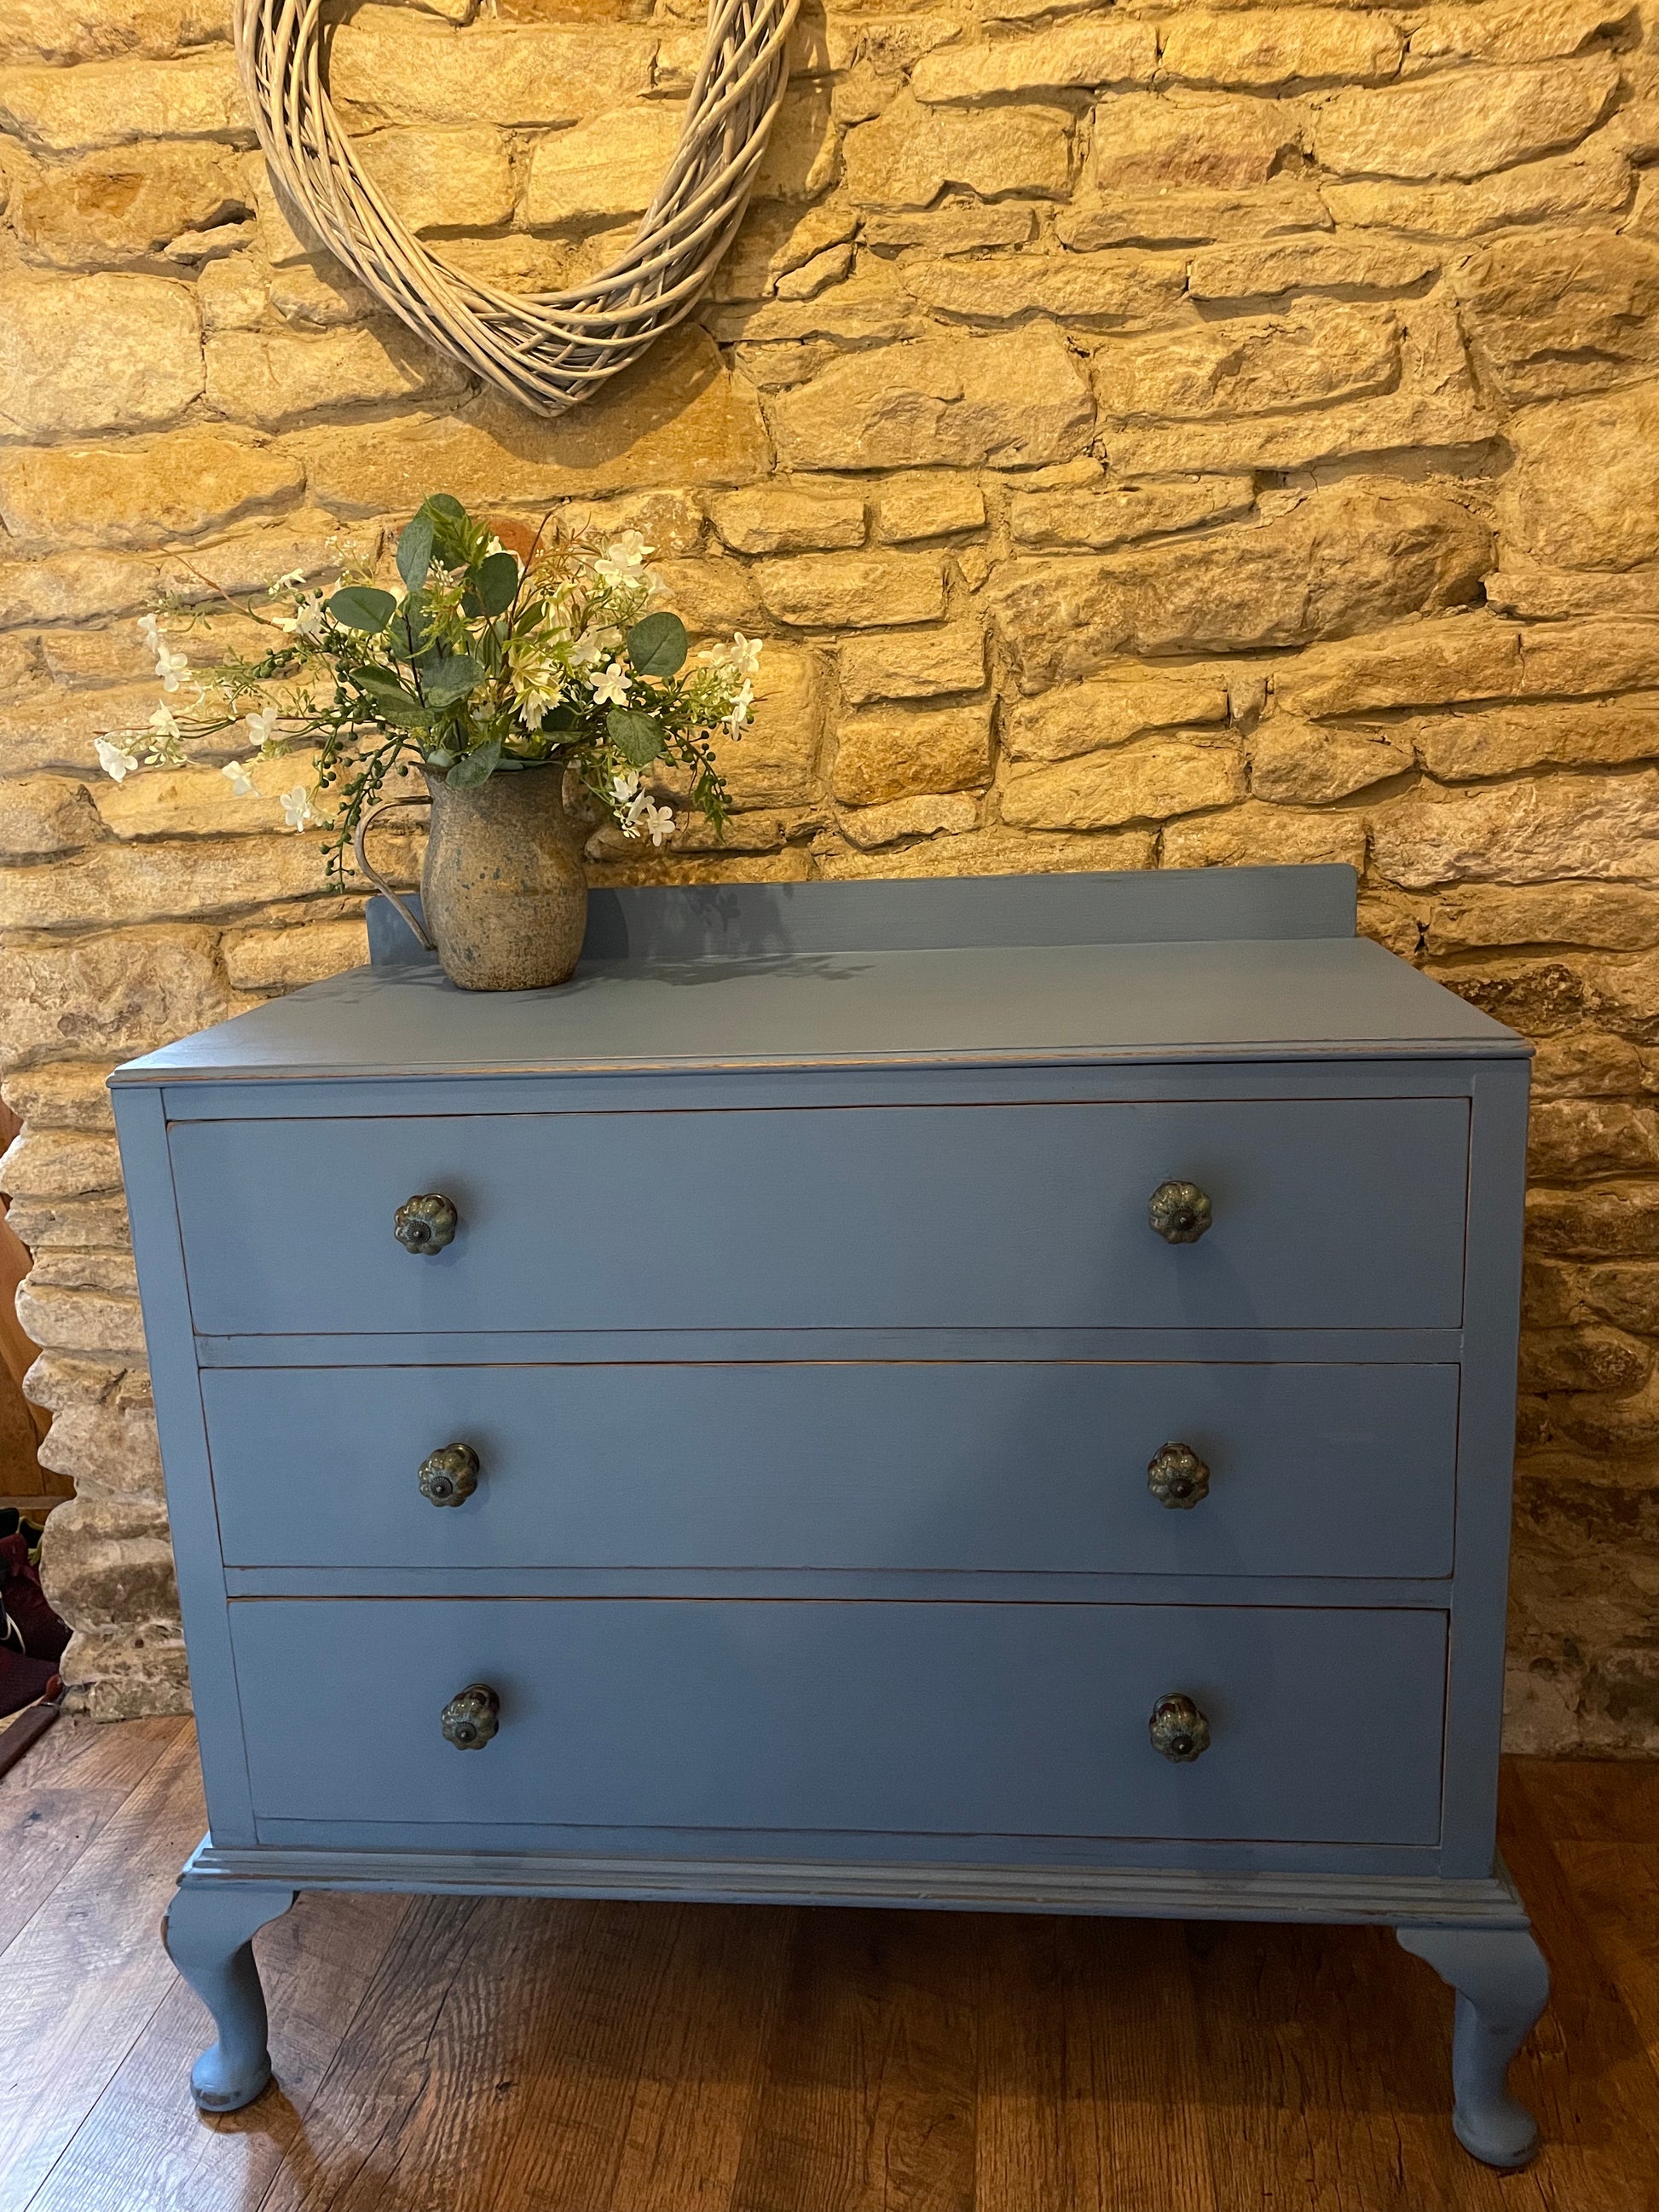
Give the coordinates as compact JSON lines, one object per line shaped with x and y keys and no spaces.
{"x":444,"y":506}
{"x":637,"y":737}
{"x":657,"y":646}
{"x":495,"y":582}
{"x":377,"y":679}
{"x":359,"y":606}
{"x":414,"y":552}
{"x":477,"y":767}
{"x":447,"y":681}
{"x":389,"y":698}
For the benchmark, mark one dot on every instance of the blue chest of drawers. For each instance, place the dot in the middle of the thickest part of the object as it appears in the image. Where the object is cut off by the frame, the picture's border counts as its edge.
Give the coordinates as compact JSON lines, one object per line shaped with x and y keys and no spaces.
{"x":994,"y":1394}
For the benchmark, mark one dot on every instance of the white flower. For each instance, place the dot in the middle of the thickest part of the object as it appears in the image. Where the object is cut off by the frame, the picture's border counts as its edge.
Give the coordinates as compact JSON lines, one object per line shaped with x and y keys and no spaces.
{"x":635,"y":811}
{"x":116,"y":760}
{"x":592,"y":645}
{"x":307,"y":620}
{"x":262,"y":726}
{"x":742,"y":700}
{"x":623,"y":559}
{"x":631,"y":804}
{"x":743,"y":654}
{"x":298,"y":812}
{"x":610,"y":689}
{"x":169,"y":666}
{"x":236,"y":775}
{"x":165,"y":723}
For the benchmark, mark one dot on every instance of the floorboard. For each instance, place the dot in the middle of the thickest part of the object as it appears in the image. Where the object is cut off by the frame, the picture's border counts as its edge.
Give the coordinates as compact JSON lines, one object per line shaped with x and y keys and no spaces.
{"x":1586,"y":2071}
{"x":145,"y":2148}
{"x":868,"y":2101}
{"x":700,"y":2073}
{"x":357,"y":2129}
{"x":1616,"y":1888}
{"x":1132,"y":2077}
{"x":80,"y":1775}
{"x":456,"y":2055}
{"x":86,"y":1972}
{"x":584,"y":2053}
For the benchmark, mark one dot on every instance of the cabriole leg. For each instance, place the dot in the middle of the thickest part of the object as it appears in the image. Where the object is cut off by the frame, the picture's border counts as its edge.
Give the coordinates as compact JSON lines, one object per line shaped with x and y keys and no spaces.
{"x":208,"y":1932}
{"x":1502,"y":1984}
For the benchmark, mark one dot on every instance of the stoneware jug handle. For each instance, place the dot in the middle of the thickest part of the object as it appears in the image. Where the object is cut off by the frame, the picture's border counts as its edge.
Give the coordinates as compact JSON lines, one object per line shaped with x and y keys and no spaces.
{"x":411,"y":799}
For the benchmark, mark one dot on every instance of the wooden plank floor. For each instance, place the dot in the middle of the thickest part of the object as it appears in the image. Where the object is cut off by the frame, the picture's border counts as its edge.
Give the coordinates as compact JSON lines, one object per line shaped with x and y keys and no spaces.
{"x":456,"y":2055}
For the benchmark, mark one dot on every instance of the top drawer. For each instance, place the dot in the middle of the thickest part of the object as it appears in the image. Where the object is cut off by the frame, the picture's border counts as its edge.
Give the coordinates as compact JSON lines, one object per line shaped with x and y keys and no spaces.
{"x":1328,"y":1213}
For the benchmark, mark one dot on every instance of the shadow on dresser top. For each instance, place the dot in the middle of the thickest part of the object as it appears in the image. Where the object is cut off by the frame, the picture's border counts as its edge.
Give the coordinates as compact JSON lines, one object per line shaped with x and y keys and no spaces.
{"x":1213,"y":964}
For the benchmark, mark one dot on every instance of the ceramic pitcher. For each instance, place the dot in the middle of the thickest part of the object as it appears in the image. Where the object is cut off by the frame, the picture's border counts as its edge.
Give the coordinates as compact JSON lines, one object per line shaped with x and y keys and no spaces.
{"x":503,"y":891}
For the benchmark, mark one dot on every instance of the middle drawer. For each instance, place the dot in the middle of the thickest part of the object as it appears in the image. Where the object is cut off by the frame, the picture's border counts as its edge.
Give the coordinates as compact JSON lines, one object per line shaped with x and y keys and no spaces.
{"x":1006,"y":1466}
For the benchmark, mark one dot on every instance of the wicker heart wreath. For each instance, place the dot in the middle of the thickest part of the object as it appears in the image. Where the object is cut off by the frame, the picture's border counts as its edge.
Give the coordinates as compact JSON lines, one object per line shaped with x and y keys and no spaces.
{"x":547,"y":349}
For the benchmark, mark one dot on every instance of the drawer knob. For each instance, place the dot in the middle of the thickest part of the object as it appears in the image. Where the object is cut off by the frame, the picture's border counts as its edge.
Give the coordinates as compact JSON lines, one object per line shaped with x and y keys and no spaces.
{"x":449,"y":1476}
{"x":1175,"y":1475}
{"x":1178,"y":1730}
{"x":1180,"y":1212}
{"x":472,"y":1716}
{"x":425,"y":1223}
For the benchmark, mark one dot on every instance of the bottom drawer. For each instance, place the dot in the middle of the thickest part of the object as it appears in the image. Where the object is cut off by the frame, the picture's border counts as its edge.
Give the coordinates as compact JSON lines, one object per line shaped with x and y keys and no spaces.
{"x":816,"y":1716}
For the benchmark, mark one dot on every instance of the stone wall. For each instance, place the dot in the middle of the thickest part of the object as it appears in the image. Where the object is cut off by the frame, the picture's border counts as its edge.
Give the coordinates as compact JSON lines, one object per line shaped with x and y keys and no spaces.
{"x":1147,"y":436}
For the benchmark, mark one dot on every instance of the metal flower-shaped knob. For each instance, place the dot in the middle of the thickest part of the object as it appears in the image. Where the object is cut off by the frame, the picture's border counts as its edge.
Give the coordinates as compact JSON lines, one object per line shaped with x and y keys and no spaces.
{"x":425,"y":1223}
{"x":472,"y":1717}
{"x":450,"y":1476}
{"x":1178,"y":1730}
{"x":1180,"y":1212}
{"x":1175,"y":1475}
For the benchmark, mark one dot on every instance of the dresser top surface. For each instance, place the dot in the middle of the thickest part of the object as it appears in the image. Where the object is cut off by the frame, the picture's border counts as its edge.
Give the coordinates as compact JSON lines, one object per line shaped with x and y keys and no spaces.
{"x":1237,"y":964}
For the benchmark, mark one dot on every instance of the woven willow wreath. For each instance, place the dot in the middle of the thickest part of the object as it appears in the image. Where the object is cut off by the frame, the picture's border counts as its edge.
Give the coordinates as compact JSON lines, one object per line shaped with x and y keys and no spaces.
{"x":547,"y":349}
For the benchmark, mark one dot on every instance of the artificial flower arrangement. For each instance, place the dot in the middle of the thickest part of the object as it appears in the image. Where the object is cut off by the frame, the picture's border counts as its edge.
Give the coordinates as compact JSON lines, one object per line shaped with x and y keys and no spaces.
{"x":474,"y":663}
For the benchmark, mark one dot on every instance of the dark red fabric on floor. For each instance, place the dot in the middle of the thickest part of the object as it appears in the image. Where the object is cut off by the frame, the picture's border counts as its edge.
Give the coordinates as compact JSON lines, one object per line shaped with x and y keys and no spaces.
{"x":23,"y":1680}
{"x":22,"y":1596}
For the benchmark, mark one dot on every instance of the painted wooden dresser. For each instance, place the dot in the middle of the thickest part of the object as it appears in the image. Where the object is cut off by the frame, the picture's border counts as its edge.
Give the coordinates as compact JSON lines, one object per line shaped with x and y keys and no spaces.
{"x":994,"y":1394}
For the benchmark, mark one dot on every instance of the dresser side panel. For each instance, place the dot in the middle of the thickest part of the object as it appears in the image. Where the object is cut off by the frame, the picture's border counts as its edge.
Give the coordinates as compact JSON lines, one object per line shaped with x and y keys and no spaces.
{"x":147,"y":1169}
{"x":1485,"y":1463}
